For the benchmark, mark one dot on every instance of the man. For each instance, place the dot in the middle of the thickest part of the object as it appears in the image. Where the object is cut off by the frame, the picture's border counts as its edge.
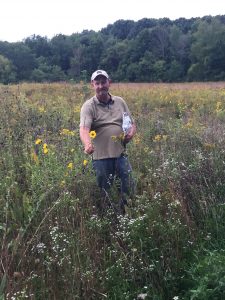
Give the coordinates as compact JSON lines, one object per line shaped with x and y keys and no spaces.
{"x":109,"y":121}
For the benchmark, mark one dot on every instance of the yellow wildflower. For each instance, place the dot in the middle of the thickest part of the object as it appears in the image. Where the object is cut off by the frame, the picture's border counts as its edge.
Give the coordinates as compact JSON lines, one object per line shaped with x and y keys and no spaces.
{"x":189,"y":124}
{"x":218,"y":106}
{"x":118,"y":138}
{"x":85,"y":162}
{"x":157,"y":138}
{"x":41,"y":109}
{"x":70,"y":166}
{"x":92,"y":134}
{"x":114,"y":138}
{"x":137,"y":139}
{"x":121,"y":136}
{"x":45,"y":148}
{"x":62,"y":183}
{"x":38,"y":141}
{"x":77,"y":109}
{"x":66,"y":131}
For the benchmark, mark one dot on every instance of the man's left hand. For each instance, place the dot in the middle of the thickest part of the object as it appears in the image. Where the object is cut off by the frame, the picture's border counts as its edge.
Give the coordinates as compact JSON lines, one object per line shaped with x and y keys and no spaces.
{"x":130,"y":134}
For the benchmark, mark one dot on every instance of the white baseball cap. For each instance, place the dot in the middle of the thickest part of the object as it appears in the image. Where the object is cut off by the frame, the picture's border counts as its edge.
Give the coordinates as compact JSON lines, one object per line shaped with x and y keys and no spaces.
{"x":99,"y":72}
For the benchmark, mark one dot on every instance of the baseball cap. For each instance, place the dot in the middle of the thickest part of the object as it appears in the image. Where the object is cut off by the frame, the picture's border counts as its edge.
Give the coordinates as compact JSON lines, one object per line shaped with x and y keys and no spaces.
{"x":99,"y":72}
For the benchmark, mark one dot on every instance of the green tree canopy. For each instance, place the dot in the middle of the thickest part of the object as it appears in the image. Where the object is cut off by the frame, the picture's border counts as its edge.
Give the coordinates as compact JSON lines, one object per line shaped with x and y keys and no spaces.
{"x":7,"y":73}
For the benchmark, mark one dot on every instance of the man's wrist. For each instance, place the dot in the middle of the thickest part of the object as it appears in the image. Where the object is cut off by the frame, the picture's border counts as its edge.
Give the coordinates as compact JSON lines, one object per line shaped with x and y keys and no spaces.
{"x":88,"y":144}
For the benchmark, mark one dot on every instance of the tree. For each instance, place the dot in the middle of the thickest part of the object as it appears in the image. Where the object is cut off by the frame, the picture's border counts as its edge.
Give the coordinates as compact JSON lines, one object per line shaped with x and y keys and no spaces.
{"x":47,"y":73}
{"x":114,"y":56}
{"x":159,"y":71}
{"x":140,"y":25}
{"x":7,"y":73}
{"x":76,"y":62}
{"x":175,"y":72}
{"x":180,"y":44}
{"x":138,"y":46}
{"x":132,"y":72}
{"x":146,"y":66}
{"x":160,"y":41}
{"x":40,"y":46}
{"x":23,"y":59}
{"x":146,"y":50}
{"x":208,"y":51}
{"x":184,"y":25}
{"x":120,"y":29}
{"x":62,"y":51}
{"x":87,"y":50}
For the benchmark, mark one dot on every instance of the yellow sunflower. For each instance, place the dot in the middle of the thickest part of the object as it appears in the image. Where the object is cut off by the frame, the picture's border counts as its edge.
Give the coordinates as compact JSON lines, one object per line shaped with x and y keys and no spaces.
{"x":92,"y":134}
{"x":38,"y":141}
{"x":45,"y":148}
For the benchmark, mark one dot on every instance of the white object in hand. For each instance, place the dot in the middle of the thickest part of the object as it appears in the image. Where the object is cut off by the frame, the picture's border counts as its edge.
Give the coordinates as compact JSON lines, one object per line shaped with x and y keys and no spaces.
{"x":127,"y":124}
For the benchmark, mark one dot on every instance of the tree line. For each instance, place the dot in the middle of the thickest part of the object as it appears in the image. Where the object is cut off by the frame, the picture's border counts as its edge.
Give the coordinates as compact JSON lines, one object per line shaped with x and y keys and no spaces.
{"x":148,"y":50}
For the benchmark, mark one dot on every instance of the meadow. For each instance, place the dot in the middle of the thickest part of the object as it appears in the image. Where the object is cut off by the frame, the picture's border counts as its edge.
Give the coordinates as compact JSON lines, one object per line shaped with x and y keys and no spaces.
{"x":55,"y":241}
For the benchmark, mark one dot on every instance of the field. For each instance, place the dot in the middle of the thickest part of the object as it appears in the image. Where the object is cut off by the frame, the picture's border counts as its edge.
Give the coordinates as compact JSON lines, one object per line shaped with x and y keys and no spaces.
{"x":56,"y":243}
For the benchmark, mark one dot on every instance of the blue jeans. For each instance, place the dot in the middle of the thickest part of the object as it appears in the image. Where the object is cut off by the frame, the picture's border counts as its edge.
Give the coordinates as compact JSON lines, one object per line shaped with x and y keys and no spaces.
{"x":110,"y":168}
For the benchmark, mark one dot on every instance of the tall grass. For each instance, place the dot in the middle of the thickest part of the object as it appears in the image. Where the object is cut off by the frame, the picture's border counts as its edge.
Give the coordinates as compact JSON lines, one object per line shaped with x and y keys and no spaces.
{"x":56,"y":243}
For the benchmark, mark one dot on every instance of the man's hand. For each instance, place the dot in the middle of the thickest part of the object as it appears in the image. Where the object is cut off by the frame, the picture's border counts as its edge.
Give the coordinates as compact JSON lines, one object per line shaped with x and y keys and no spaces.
{"x":89,"y":148}
{"x":130,"y":134}
{"x":86,"y":140}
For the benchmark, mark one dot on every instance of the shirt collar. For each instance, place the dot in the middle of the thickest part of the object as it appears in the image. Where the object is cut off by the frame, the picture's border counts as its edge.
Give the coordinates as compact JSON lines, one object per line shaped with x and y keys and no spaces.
{"x":111,"y":100}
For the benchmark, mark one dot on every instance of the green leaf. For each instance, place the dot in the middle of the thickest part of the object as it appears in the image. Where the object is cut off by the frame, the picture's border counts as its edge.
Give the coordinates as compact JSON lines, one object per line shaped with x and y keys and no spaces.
{"x":2,"y":287}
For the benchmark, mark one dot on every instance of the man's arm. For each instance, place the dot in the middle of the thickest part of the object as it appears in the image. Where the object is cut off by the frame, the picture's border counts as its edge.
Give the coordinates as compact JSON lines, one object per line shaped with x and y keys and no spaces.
{"x":86,"y":140}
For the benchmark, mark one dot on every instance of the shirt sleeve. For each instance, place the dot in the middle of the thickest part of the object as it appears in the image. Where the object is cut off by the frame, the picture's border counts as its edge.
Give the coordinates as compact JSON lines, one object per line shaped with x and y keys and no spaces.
{"x":86,"y":116}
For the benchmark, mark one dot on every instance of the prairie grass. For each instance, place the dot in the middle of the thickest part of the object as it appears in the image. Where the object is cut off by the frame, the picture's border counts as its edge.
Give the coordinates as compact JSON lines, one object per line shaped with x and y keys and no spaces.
{"x":55,"y":241}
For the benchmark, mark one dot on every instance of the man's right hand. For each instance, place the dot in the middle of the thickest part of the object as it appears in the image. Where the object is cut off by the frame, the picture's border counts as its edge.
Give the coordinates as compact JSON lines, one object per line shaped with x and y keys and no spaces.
{"x":89,"y":148}
{"x":86,"y":140}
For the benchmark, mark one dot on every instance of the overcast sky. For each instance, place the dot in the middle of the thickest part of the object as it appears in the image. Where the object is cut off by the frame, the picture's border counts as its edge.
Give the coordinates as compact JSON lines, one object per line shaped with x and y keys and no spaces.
{"x":22,"y":18}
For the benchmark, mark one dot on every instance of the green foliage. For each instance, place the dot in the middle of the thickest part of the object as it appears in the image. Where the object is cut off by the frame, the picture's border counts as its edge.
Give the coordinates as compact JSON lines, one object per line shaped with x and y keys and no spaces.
{"x":7,"y":73}
{"x":207,"y":51}
{"x":60,"y":239}
{"x":46,"y":73}
{"x":148,"y":50}
{"x":207,"y":276}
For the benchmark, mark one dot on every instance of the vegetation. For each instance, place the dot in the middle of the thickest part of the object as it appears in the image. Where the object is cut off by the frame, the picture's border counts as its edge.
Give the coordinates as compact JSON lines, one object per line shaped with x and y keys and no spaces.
{"x":56,"y":242}
{"x":148,"y":50}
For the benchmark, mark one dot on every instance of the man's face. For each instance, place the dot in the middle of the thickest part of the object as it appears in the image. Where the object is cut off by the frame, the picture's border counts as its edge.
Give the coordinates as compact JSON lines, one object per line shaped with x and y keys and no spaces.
{"x":101,"y":85}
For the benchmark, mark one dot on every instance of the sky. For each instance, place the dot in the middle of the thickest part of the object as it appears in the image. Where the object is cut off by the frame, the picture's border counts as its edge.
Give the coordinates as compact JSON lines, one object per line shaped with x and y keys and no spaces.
{"x":20,"y":19}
